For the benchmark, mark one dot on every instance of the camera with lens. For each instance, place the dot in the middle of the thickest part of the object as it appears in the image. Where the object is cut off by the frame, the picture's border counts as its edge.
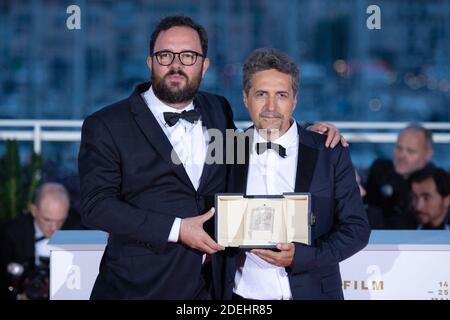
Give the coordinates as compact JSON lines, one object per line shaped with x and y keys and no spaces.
{"x":30,"y":282}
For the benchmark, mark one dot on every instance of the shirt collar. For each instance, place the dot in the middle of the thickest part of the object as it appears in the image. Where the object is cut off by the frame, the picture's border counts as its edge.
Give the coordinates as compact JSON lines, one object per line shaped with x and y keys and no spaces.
{"x":288,"y":139}
{"x":158,"y":107}
{"x":37,"y":231}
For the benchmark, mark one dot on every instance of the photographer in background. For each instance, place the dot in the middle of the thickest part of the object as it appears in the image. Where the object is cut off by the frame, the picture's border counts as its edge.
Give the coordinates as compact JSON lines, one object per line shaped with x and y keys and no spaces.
{"x":24,"y":252}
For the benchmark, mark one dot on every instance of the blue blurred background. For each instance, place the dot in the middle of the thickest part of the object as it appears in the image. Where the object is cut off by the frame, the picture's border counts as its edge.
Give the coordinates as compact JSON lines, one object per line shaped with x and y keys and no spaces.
{"x":348,"y":72}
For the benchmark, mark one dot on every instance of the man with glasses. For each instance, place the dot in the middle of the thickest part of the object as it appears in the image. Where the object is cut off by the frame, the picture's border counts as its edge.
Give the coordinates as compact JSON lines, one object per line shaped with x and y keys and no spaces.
{"x":133,"y":189}
{"x":132,"y":183}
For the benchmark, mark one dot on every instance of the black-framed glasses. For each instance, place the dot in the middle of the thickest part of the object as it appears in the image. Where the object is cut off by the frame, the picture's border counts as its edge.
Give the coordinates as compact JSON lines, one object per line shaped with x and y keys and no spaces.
{"x":187,"y":58}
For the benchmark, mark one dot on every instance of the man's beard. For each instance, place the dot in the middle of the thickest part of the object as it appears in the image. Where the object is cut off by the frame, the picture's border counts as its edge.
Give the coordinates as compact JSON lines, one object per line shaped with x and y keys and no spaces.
{"x":175,"y":94}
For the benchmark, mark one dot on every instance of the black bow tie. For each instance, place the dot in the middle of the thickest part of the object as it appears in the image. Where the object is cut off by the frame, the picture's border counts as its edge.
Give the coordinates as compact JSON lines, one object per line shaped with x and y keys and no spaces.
{"x":172,"y":118}
{"x":39,"y":239}
{"x":261,"y":147}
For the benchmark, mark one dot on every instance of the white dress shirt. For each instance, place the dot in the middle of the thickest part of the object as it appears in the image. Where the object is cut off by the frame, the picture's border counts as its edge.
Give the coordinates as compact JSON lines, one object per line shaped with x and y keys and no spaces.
{"x":189,"y":141}
{"x":268,"y":174}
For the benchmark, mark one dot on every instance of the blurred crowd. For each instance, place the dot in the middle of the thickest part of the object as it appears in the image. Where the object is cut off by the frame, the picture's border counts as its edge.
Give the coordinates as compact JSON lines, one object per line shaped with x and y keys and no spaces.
{"x":409,"y":191}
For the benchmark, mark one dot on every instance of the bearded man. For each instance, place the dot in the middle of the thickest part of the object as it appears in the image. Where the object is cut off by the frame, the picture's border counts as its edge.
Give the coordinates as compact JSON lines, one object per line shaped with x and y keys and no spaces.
{"x":144,"y":175}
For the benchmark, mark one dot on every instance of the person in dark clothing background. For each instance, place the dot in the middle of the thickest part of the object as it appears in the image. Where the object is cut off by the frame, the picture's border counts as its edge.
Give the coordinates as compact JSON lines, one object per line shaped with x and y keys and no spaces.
{"x":388,"y":190}
{"x":24,"y":251}
{"x":430,"y":189}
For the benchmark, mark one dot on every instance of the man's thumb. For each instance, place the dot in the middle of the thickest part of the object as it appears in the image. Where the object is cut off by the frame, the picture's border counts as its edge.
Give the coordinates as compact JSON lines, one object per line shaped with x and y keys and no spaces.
{"x":283,"y":246}
{"x":208,"y":215}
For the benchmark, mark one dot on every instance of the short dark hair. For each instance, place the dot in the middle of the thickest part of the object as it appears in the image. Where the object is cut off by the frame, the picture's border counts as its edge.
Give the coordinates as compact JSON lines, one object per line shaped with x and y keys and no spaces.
{"x":180,"y":21}
{"x":440,"y":177}
{"x":427,"y":134}
{"x":269,"y":58}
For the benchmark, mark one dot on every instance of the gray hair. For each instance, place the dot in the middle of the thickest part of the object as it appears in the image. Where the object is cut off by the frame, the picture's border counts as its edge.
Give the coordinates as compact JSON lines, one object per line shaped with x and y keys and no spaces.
{"x":266,"y":59}
{"x":427,"y":134}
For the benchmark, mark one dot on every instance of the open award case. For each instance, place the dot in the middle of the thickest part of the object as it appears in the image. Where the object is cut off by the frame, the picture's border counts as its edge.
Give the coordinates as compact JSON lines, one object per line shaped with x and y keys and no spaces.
{"x":262,"y":221}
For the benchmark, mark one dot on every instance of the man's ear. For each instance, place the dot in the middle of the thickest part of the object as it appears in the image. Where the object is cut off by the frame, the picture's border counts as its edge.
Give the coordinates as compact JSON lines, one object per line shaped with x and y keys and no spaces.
{"x":205,"y":66}
{"x":34,"y":210}
{"x":150,"y":63}
{"x":295,"y":102}
{"x":447,"y":201}
{"x":245,"y":97}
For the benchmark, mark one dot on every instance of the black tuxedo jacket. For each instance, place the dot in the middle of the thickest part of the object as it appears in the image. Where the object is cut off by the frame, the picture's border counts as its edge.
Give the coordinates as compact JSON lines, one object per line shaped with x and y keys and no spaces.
{"x":18,"y":242}
{"x":16,"y":245}
{"x":340,"y":228}
{"x":131,"y":189}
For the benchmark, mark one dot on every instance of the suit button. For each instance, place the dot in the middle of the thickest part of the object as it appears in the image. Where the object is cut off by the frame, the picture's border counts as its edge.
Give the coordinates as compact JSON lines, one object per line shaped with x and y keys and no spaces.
{"x":313,"y":218}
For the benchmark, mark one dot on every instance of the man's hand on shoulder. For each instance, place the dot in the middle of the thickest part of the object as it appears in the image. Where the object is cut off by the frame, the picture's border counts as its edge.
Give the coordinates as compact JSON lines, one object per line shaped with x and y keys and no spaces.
{"x":331,"y":131}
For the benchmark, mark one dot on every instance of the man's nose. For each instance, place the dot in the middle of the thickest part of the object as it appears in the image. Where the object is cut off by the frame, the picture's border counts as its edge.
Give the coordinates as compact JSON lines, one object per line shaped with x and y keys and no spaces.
{"x":271,"y":104}
{"x":176,"y":61}
{"x":420,"y":205}
{"x":54,"y":226}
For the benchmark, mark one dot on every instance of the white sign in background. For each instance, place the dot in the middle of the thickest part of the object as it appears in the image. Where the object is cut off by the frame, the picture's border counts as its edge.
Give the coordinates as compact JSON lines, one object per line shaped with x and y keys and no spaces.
{"x":368,"y":275}
{"x":73,"y":274}
{"x":396,"y":275}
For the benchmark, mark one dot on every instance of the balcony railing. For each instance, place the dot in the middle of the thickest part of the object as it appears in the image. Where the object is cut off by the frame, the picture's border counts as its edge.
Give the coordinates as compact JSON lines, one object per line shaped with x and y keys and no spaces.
{"x":39,"y":131}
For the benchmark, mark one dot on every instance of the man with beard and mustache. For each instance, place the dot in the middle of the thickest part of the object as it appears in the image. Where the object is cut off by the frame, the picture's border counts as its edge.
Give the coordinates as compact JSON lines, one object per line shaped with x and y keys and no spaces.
{"x":388,"y":189}
{"x":132,"y":185}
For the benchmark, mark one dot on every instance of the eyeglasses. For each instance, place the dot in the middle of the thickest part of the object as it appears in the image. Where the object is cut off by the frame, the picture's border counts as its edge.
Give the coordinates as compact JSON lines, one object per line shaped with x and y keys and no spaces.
{"x":187,"y":58}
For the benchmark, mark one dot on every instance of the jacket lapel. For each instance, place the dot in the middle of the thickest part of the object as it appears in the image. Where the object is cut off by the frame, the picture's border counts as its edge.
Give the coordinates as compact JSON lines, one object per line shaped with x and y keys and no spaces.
{"x":201,"y":104}
{"x":240,"y":170}
{"x":306,"y":163}
{"x":29,"y":239}
{"x":154,"y":134}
